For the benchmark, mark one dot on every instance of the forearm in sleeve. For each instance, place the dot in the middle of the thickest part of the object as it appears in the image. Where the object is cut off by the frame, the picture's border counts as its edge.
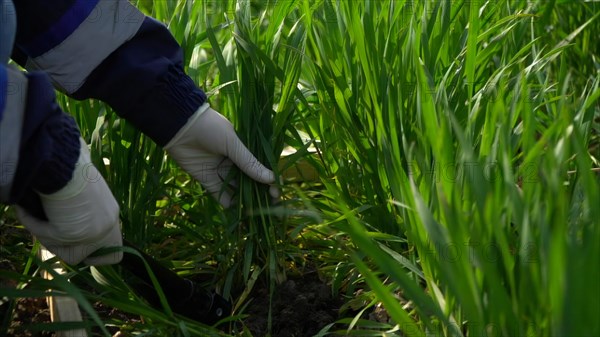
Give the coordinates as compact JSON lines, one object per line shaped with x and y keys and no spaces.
{"x":39,"y":142}
{"x":136,"y":66}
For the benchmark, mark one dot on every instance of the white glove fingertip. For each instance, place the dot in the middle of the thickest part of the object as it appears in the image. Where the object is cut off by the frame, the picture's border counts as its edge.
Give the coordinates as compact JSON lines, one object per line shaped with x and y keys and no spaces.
{"x":274,"y":191}
{"x":257,"y":171}
{"x":224,"y":199}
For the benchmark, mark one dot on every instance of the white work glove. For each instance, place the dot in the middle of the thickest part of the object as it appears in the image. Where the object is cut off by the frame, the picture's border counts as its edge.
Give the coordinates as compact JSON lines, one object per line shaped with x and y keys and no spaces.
{"x":83,"y":217}
{"x":207,"y":146}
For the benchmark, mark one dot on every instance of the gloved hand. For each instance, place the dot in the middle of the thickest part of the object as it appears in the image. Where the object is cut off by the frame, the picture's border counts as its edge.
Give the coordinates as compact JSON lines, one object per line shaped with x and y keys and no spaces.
{"x":207,"y":146}
{"x":83,"y":217}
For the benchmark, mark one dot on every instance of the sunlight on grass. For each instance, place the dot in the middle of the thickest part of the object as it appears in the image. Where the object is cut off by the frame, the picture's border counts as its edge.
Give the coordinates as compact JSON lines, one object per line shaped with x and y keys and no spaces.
{"x":457,"y":148}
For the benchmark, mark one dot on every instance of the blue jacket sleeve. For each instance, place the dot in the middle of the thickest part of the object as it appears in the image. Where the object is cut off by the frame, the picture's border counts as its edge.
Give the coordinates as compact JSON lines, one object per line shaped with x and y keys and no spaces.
{"x":39,"y":144}
{"x":47,"y":147}
{"x":144,"y":82}
{"x":50,"y":142}
{"x":108,"y":50}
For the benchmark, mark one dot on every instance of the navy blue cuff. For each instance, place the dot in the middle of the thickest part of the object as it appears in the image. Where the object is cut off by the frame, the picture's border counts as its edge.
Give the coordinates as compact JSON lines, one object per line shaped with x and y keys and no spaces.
{"x":50,"y":143}
{"x":144,"y":82}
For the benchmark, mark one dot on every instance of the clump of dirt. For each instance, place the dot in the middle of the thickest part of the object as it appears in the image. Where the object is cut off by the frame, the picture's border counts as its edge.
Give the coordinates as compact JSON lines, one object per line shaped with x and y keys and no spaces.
{"x":300,"y":307}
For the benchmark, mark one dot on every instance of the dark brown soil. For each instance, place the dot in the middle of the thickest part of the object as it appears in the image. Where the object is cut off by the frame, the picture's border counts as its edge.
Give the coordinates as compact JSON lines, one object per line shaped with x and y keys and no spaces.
{"x":27,"y":311}
{"x":300,"y":307}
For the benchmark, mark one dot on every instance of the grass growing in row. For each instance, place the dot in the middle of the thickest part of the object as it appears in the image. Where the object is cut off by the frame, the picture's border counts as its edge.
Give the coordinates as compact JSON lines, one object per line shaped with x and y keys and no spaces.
{"x":457,"y":149}
{"x":463,"y":124}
